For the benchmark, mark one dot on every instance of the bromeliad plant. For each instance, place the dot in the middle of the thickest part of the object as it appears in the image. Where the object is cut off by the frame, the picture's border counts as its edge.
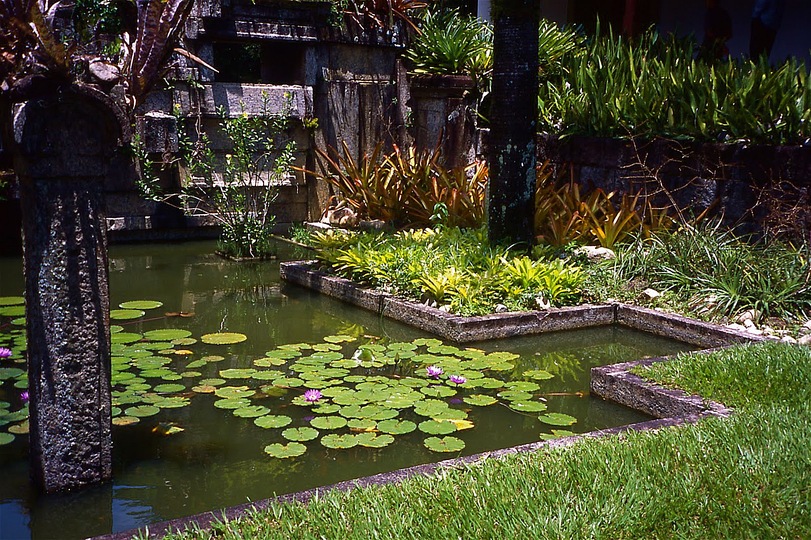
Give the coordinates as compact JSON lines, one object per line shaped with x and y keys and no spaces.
{"x":404,"y":187}
{"x":451,"y":267}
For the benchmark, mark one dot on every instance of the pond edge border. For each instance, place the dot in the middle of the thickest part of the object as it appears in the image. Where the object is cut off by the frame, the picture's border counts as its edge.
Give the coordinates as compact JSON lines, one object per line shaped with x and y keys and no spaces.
{"x":671,"y":407}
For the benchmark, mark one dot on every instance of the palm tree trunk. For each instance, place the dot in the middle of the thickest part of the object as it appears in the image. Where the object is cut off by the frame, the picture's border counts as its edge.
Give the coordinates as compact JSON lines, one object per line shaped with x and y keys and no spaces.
{"x":513,"y":121}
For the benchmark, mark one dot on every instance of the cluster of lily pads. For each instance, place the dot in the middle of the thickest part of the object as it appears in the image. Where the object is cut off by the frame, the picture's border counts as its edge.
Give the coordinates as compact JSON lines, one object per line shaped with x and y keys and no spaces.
{"x":343,"y":392}
{"x":13,"y":410}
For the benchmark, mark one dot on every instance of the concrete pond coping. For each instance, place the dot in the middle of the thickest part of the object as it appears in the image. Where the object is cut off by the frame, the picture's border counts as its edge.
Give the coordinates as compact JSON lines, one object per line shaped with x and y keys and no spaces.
{"x":670,"y":407}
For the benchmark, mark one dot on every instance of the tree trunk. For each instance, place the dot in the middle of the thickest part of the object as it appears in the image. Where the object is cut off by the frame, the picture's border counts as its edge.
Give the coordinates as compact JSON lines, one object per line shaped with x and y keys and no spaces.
{"x":513,"y":121}
{"x":64,"y":143}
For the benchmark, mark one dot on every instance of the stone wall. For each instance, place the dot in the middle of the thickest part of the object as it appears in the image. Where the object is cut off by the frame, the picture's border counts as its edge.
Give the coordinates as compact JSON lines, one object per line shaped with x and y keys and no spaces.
{"x":725,"y":179}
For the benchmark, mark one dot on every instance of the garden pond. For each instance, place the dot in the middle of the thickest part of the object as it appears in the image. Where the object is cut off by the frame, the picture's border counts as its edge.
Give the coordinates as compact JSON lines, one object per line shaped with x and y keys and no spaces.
{"x":230,"y":386}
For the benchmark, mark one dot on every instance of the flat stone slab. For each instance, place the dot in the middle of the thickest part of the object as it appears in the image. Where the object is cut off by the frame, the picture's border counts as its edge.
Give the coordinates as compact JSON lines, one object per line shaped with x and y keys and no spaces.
{"x":502,"y":325}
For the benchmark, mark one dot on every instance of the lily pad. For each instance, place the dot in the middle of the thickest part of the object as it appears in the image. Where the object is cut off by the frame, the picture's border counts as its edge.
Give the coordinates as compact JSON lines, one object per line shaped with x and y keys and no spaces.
{"x":341,"y":338}
{"x":126,"y":314}
{"x":196,"y":364}
{"x":125,"y":420}
{"x":237,"y":373}
{"x":223,"y":338}
{"x":373,"y":440}
{"x":444,"y":444}
{"x":557,"y":419}
{"x":232,"y":403}
{"x":166,"y":334}
{"x":11,"y":300}
{"x":522,"y":386}
{"x":326,"y":408}
{"x":6,"y":438}
{"x":12,"y":311}
{"x":333,"y":440}
{"x":251,"y":411}
{"x":230,"y":392}
{"x":396,"y":427}
{"x":142,"y":411}
{"x":140,"y":304}
{"x":480,"y":400}
{"x":300,"y":434}
{"x":438,"y":391}
{"x":270,"y":421}
{"x":328,"y":422}
{"x":169,"y":388}
{"x":528,"y":406}
{"x":174,"y":402}
{"x":289,"y":450}
{"x":556,"y":434}
{"x":538,"y":374}
{"x":125,"y":337}
{"x":435,"y":427}
{"x":362,"y":424}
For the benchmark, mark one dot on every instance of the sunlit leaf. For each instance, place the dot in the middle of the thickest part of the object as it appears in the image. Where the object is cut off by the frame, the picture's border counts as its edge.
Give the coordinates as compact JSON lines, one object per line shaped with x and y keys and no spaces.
{"x":142,"y":411}
{"x":396,"y":427}
{"x":373,"y":440}
{"x":557,"y":419}
{"x":289,"y":450}
{"x":444,"y":444}
{"x":125,"y":314}
{"x":273,"y":421}
{"x":300,"y":434}
{"x":140,"y":304}
{"x":333,"y":440}
{"x":435,"y":427}
{"x":223,"y":338}
{"x":328,"y":422}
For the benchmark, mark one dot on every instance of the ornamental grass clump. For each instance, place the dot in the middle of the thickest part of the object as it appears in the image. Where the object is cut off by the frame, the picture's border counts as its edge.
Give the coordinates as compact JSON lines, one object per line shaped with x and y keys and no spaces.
{"x":720,"y":275}
{"x":451,"y":267}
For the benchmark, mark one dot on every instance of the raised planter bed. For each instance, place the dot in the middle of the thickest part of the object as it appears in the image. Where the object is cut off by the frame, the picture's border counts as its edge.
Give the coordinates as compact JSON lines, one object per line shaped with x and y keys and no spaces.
{"x":500,"y":325}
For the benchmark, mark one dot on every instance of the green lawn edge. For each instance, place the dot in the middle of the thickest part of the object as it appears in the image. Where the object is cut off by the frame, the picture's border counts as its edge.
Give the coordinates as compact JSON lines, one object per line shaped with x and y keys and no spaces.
{"x":747,"y":476}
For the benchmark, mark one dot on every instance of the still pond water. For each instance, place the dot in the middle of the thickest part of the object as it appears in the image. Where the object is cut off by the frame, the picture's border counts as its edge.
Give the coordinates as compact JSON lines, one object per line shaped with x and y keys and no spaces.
{"x":189,"y":412}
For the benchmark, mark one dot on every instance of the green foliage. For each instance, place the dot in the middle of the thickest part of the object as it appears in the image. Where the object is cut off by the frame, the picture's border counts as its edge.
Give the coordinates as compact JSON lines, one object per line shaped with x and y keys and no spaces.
{"x":652,"y":86}
{"x":405,"y":187}
{"x":452,"y":44}
{"x":451,"y":266}
{"x":564,"y":215}
{"x":239,"y":192}
{"x":720,"y":274}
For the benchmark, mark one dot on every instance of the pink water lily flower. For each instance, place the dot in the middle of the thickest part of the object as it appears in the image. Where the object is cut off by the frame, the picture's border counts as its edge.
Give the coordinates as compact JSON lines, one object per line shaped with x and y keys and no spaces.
{"x":434,"y":371}
{"x":457,"y":379}
{"x":311,"y":396}
{"x":5,"y":353}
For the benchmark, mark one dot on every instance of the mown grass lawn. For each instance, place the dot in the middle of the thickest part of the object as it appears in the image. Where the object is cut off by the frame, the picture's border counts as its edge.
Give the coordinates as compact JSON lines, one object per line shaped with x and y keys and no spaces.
{"x":748,"y":476}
